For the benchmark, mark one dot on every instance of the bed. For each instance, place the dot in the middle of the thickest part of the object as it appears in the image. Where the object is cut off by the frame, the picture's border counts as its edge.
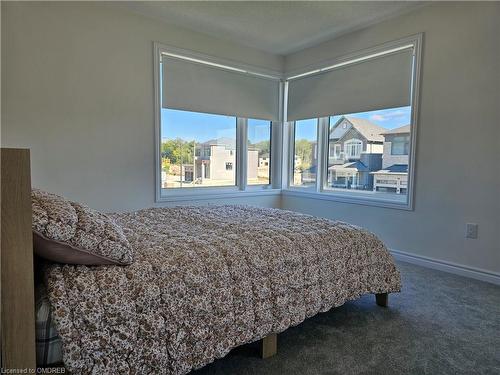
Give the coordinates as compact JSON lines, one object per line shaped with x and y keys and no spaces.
{"x":206,"y":280}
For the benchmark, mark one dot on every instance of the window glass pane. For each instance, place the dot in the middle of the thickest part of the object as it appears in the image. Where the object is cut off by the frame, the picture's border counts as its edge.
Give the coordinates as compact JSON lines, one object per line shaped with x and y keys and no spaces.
{"x":197,"y":149}
{"x":305,"y":153}
{"x":400,"y":145}
{"x":368,"y":153}
{"x":259,"y":152}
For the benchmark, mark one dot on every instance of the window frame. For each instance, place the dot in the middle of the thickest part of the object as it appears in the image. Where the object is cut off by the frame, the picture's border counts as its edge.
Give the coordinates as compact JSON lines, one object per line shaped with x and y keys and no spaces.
{"x":240,"y":189}
{"x":336,"y":155}
{"x":320,"y":192}
{"x":350,"y":144}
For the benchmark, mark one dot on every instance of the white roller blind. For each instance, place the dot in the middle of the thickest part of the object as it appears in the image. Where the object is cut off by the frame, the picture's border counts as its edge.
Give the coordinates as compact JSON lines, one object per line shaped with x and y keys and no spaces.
{"x":198,"y":87}
{"x":381,"y":82}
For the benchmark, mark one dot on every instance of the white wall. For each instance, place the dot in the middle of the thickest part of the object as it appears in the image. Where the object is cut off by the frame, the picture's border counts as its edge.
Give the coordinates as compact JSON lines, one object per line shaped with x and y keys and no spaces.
{"x":458,"y":153}
{"x":77,"y":89}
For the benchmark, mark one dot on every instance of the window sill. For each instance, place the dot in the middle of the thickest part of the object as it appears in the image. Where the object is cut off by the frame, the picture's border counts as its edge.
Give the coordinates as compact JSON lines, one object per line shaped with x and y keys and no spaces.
{"x":216,"y":193}
{"x":347,"y":198}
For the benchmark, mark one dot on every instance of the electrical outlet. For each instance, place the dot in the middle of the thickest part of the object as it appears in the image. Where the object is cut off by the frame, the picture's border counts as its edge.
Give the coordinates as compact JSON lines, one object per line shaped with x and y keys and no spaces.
{"x":471,"y":230}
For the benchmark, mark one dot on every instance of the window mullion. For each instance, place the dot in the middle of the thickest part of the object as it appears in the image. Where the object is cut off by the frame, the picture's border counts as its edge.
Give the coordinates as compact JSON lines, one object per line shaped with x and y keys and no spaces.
{"x":321,"y":169}
{"x":276,"y":154}
{"x":241,"y":152}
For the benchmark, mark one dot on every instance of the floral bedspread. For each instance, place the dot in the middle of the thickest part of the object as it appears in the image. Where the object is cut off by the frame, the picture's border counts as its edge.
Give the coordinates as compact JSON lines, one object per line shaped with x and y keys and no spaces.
{"x":205,"y":280}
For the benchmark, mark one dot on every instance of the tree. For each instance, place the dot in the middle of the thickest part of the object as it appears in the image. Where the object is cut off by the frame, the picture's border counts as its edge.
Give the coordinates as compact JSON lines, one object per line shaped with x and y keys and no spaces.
{"x":304,"y":150}
{"x":165,"y":164}
{"x":263,"y":147}
{"x":178,"y":151}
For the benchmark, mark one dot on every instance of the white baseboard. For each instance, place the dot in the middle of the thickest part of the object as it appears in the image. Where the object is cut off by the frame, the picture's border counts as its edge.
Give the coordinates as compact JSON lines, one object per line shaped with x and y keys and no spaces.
{"x":441,"y":265}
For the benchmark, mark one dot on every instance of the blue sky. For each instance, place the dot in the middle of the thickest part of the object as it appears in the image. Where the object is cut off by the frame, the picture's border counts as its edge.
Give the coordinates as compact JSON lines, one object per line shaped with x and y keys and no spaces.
{"x":258,"y":130}
{"x":202,"y":127}
{"x":196,"y":126}
{"x":386,"y":118}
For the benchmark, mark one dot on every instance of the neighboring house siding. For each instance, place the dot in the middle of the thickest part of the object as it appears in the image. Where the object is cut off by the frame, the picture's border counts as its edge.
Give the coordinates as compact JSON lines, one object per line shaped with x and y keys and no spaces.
{"x":252,"y":163}
{"x":373,"y":148}
{"x":388,"y":159}
{"x":373,"y":162}
{"x":218,"y":159}
{"x":395,"y":182}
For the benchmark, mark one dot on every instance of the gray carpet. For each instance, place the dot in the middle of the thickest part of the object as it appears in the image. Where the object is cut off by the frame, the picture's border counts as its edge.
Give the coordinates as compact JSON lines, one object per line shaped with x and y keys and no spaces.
{"x":439,"y":324}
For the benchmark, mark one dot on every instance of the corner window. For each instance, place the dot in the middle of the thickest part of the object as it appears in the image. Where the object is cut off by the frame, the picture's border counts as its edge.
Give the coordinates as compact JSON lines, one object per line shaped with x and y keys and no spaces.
{"x":364,"y":109}
{"x":305,"y":153}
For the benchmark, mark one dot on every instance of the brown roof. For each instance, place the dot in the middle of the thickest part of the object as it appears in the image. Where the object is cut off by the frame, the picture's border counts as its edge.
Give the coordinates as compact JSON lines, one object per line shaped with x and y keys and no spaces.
{"x":400,"y":130}
{"x":367,"y":128}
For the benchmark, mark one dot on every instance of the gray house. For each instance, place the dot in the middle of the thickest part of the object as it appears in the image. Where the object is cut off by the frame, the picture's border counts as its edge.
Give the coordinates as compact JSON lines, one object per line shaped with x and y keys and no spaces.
{"x":215,"y":161}
{"x":355,"y":150}
{"x":393,"y":176}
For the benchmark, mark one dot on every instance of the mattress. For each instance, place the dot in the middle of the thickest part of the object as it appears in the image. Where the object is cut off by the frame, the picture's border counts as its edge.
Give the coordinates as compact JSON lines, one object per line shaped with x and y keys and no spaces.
{"x":205,"y":280}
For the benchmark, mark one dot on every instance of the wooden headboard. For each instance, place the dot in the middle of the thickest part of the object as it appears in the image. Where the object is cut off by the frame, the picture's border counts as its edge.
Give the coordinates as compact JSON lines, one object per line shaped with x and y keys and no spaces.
{"x":16,"y":262}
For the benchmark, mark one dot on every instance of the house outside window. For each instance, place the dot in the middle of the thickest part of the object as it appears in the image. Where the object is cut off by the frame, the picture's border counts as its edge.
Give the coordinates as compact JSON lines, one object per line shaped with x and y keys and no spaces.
{"x":363,"y":147}
{"x":368,"y":164}
{"x":393,"y":176}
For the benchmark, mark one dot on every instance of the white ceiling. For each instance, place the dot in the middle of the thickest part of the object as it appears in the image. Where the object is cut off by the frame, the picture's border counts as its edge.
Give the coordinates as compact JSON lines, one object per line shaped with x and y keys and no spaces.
{"x":279,"y":27}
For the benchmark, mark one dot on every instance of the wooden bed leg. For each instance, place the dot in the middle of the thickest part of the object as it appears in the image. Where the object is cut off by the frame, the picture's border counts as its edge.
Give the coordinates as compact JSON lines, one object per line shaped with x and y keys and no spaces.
{"x":382,"y":299}
{"x":269,"y":345}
